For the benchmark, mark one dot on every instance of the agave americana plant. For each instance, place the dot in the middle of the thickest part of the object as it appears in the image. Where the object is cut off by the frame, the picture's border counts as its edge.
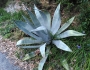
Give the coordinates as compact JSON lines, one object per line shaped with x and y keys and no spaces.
{"x":43,"y":34}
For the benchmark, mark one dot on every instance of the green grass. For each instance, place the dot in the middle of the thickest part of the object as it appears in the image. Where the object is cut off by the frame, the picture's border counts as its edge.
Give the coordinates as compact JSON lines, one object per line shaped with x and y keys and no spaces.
{"x":7,"y":27}
{"x":79,"y":59}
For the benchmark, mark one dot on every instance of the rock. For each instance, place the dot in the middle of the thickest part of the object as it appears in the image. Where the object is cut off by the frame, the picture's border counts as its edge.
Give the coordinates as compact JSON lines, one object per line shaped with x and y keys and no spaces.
{"x":15,"y":6}
{"x":5,"y":63}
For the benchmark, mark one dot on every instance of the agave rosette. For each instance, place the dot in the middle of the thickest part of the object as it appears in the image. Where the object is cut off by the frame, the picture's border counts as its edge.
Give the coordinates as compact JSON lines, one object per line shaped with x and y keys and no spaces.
{"x":43,"y":33}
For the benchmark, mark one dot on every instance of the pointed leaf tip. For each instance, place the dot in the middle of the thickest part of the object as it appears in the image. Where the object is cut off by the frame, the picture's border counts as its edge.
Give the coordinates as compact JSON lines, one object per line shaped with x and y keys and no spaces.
{"x":65,"y":64}
{"x":56,"y":20}
{"x":69,"y":33}
{"x":43,"y":60}
{"x":65,"y":25}
{"x":42,"y":50}
{"x":59,"y":44}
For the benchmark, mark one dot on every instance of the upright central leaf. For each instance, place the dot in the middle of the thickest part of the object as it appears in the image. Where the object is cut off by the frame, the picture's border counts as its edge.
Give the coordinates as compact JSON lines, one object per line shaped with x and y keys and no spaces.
{"x":56,"y":20}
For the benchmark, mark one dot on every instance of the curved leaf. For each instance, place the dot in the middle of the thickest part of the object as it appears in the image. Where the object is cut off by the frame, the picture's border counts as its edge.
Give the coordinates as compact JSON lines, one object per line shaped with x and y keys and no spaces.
{"x":69,"y":33}
{"x":29,"y":55}
{"x":34,"y":19}
{"x":48,"y":24}
{"x":59,"y":44}
{"x":42,"y":50}
{"x":43,"y":17}
{"x":66,"y":25}
{"x":41,"y":34}
{"x":27,"y":21}
{"x":36,"y":46}
{"x":39,"y":29}
{"x":28,"y":41}
{"x":24,"y":27}
{"x":56,"y":20}
{"x":65,"y":64}
{"x":23,"y":24}
{"x":40,"y":16}
{"x":43,"y":60}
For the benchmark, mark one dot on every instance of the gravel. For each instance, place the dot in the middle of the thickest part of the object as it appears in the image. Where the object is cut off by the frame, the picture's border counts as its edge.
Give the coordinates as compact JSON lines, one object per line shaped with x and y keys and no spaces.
{"x":8,"y":59}
{"x":5,"y":64}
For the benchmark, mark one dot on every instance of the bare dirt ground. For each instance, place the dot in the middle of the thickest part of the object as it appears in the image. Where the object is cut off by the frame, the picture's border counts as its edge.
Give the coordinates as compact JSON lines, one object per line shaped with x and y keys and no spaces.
{"x":8,"y":47}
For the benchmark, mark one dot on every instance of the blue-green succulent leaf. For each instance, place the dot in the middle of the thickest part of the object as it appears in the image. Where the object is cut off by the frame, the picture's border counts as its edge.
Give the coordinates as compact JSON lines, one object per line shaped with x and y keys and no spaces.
{"x":25,"y":28}
{"x":43,"y":17}
{"x":28,"y":21}
{"x":34,"y":46}
{"x":29,"y":56}
{"x":39,"y":16}
{"x":56,"y":20}
{"x":66,"y":25}
{"x":59,"y":44}
{"x":34,"y":19}
{"x":28,"y":41}
{"x":23,"y":24}
{"x":48,"y":24}
{"x":39,"y":29}
{"x":65,"y":64}
{"x":69,"y":33}
{"x":42,"y":50}
{"x":37,"y":24}
{"x":43,"y":60}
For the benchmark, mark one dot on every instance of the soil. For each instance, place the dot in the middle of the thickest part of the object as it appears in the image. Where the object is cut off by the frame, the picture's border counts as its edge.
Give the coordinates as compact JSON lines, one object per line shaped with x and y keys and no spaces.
{"x":8,"y":47}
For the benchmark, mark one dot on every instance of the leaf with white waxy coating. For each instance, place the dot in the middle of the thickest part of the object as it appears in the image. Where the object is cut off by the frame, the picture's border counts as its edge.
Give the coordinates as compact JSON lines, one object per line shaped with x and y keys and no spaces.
{"x":65,"y":25}
{"x":43,"y":60}
{"x":65,"y":64}
{"x":69,"y":33}
{"x":59,"y":44}
{"x":42,"y":50}
{"x":39,"y":29}
{"x":46,"y":19}
{"x":23,"y":24}
{"x":34,"y":46}
{"x":24,"y":27}
{"x":28,"y":41}
{"x":37,"y":24}
{"x":56,"y":20}
{"x":29,"y":55}
{"x":43,"y":17}
{"x":28,"y":21}
{"x":34,"y":19}
{"x":40,"y":16}
{"x":48,"y":24}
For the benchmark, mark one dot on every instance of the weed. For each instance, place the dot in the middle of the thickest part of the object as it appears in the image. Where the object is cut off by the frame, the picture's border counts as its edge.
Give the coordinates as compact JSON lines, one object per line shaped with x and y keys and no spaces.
{"x":7,"y":28}
{"x":85,"y":17}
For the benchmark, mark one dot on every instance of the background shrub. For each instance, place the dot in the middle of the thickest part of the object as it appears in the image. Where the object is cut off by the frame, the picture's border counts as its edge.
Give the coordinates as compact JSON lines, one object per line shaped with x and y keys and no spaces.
{"x":85,"y":17}
{"x":3,"y":3}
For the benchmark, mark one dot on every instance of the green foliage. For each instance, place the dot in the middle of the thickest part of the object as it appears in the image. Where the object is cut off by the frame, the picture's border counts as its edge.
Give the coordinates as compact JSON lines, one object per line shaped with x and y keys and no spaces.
{"x":65,"y":4}
{"x":71,"y":1}
{"x":30,"y":3}
{"x":3,"y":3}
{"x":85,"y":17}
{"x":4,"y":15}
{"x":79,"y":58}
{"x":7,"y":28}
{"x":71,"y":5}
{"x":44,"y":34}
{"x":8,"y":16}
